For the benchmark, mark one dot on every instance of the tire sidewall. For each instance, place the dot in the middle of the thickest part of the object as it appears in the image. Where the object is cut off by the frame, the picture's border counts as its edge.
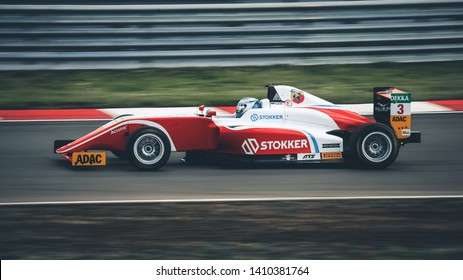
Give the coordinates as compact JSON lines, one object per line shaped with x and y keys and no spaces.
{"x":129,"y":148}
{"x":357,"y":141}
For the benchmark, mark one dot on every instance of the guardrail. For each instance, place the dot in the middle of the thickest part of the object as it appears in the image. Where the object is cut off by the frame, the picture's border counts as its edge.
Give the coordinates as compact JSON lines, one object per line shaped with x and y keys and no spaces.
{"x":34,"y":37}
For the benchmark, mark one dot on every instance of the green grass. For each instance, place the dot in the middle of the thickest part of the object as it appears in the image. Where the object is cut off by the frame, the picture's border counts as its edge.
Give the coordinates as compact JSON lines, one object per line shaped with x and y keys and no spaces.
{"x":222,"y":86}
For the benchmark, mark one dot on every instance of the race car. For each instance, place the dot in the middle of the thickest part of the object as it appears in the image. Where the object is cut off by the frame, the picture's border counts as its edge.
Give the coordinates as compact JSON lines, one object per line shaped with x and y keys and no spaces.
{"x":290,"y":125}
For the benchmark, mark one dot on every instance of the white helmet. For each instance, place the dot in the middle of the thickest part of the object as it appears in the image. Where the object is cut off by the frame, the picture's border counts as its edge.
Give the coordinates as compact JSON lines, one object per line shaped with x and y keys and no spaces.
{"x":246,"y":104}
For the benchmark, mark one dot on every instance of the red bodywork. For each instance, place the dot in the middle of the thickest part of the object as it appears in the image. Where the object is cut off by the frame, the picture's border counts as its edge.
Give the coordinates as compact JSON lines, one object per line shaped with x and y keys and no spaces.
{"x":185,"y":133}
{"x":286,"y":140}
{"x":346,"y":120}
{"x":201,"y":133}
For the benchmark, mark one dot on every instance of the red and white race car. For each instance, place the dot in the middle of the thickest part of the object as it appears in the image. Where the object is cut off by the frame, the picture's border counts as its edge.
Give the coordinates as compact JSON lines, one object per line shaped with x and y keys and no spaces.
{"x":290,"y":125}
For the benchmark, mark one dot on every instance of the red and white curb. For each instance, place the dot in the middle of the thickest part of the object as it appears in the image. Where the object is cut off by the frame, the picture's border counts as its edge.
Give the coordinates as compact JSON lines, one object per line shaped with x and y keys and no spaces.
{"x":419,"y":107}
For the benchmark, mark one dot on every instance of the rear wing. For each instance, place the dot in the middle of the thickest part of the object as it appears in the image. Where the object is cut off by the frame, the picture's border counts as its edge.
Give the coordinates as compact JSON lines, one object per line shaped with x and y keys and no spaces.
{"x":392,"y":107}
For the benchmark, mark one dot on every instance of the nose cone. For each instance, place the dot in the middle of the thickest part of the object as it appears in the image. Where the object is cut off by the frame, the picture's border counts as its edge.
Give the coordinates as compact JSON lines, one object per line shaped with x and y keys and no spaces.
{"x":60,"y":150}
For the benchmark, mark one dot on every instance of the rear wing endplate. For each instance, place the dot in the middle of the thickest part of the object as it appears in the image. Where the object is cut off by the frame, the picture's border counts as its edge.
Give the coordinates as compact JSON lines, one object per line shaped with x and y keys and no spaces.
{"x":392,"y":107}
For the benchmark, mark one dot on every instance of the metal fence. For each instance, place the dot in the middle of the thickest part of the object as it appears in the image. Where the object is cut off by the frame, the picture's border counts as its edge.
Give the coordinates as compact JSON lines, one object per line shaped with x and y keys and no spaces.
{"x":117,"y":36}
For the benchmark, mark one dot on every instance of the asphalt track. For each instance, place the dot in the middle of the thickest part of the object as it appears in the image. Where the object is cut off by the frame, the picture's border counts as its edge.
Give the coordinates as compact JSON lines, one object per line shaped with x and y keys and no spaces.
{"x":30,"y":172}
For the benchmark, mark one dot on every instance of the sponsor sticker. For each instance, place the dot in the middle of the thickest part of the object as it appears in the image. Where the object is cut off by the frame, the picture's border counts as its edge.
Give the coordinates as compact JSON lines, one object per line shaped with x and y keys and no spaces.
{"x":331,"y":145}
{"x":288,"y":157}
{"x":308,"y":156}
{"x":400,"y":118}
{"x":89,"y":159}
{"x":382,"y":107}
{"x":251,"y":146}
{"x":117,"y":130}
{"x":336,"y":155}
{"x":401,"y":98}
{"x":257,"y":117}
{"x":297,"y":96}
{"x":406,"y":132}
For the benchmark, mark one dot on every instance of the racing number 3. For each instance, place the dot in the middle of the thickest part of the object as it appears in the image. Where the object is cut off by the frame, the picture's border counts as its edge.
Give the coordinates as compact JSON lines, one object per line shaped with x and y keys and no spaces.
{"x":401,"y":109}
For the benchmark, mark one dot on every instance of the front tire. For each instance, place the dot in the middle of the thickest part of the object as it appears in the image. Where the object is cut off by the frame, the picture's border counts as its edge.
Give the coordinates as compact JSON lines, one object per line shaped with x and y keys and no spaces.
{"x":374,"y":146}
{"x":148,"y":149}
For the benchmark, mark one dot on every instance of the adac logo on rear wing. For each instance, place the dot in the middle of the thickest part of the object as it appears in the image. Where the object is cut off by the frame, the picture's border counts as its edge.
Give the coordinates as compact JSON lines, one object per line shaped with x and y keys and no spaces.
{"x":393,"y":108}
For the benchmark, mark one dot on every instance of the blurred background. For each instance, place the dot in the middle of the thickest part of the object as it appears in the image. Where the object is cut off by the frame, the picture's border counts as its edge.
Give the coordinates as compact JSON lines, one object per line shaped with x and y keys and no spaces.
{"x":143,"y":34}
{"x":245,"y":42}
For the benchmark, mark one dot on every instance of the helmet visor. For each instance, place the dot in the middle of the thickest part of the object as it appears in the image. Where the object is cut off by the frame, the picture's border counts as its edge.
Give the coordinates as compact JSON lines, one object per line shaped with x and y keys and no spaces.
{"x":240,"y":108}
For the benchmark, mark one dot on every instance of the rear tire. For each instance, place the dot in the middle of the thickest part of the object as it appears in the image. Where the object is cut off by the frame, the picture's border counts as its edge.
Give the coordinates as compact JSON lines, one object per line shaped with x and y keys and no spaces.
{"x":148,"y":149}
{"x":374,"y":146}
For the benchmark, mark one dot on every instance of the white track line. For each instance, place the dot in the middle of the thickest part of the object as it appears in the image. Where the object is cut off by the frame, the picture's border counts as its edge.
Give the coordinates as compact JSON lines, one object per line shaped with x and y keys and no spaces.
{"x":207,"y":200}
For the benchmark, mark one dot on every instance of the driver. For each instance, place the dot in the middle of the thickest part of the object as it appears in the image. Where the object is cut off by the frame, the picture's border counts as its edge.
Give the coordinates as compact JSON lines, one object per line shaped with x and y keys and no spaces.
{"x":246,"y":104}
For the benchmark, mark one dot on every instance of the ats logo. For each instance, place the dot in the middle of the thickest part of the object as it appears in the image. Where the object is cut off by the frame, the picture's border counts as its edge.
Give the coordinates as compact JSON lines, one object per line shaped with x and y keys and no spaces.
{"x":251,"y":146}
{"x":309,"y":156}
